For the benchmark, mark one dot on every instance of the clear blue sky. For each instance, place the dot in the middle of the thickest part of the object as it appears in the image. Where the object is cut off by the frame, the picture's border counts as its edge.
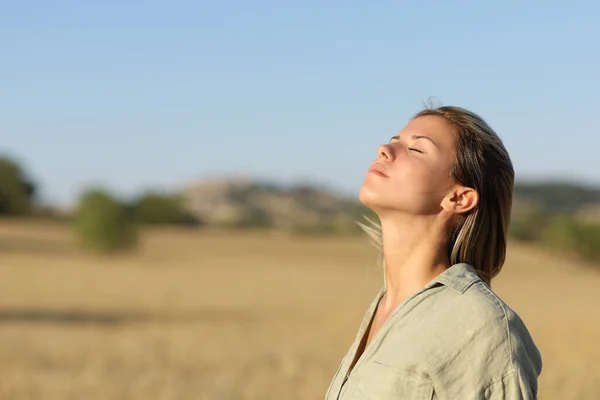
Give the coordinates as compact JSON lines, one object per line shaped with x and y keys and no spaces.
{"x":136,"y":94}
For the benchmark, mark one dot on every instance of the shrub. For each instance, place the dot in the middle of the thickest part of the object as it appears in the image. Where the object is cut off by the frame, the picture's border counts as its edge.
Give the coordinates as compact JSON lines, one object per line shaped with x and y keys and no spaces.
{"x":528,"y":226}
{"x":158,"y":209}
{"x":587,"y":242}
{"x":17,"y":192}
{"x":569,"y":235}
{"x":103,"y":224}
{"x":560,"y":233}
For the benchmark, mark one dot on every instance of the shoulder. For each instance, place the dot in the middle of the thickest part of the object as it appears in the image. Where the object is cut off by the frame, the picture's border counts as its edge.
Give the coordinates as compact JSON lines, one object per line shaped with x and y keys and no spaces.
{"x":486,"y":337}
{"x":492,"y":312}
{"x":511,"y":332}
{"x":483,"y":315}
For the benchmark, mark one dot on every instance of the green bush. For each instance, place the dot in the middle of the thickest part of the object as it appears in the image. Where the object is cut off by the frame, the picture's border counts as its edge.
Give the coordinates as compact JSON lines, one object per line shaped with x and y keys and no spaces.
{"x":524,"y":231}
{"x":16,"y":190}
{"x":567,"y":234}
{"x":563,"y":233}
{"x":161,"y":209}
{"x":560,"y":233}
{"x":587,"y":242}
{"x":529,"y":226}
{"x":103,"y":224}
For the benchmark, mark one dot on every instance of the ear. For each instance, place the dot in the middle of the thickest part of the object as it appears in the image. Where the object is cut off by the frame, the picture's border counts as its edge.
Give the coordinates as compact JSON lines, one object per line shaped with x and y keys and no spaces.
{"x":461,"y":200}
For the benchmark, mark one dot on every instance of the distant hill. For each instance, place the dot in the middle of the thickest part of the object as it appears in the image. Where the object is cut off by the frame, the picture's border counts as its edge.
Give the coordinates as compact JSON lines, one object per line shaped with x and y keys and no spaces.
{"x":307,"y":208}
{"x":247,"y":203}
{"x":558,"y":197}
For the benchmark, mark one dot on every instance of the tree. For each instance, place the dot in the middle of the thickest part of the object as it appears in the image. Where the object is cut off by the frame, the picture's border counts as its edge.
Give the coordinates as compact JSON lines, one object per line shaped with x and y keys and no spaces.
{"x":103,"y":224}
{"x":157,"y":208}
{"x":16,"y":190}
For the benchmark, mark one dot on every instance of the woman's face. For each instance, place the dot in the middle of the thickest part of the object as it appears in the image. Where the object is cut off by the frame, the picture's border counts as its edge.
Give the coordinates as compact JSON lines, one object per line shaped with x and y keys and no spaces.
{"x":412,"y":173}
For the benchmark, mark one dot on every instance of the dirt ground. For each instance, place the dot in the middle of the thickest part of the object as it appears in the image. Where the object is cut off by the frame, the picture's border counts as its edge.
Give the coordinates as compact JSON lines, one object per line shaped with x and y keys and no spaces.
{"x":227,"y":316}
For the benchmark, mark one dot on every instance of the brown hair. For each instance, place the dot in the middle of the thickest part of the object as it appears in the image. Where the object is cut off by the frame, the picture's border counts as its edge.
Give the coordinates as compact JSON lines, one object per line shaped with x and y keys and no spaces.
{"x":482,"y":163}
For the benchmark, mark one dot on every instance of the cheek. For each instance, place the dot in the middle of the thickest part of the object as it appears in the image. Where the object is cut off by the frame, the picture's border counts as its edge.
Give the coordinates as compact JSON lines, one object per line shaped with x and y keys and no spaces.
{"x":414,"y":177}
{"x":420,"y":186}
{"x":431,"y":178}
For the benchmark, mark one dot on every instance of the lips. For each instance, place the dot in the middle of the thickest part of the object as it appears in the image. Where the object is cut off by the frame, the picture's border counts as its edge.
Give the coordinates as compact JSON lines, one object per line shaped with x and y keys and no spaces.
{"x":378,"y":170}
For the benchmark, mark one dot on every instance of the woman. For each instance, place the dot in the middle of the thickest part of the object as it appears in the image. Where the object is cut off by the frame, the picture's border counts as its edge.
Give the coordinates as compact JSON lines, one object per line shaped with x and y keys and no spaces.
{"x":442,"y":189}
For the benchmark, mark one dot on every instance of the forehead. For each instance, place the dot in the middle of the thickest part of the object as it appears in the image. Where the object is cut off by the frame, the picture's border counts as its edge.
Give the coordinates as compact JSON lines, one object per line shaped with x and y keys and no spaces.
{"x":437,"y":128}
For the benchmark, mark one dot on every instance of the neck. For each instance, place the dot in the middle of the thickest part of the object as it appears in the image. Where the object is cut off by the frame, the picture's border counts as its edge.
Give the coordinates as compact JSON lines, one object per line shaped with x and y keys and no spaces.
{"x":414,"y":251}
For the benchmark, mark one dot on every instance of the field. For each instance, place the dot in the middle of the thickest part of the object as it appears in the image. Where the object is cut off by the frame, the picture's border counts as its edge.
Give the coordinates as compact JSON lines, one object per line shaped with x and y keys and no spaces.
{"x":218,"y":315}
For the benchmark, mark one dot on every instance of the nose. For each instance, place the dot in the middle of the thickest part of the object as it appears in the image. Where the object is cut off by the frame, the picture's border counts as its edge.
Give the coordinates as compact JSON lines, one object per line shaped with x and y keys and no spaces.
{"x":385,"y":153}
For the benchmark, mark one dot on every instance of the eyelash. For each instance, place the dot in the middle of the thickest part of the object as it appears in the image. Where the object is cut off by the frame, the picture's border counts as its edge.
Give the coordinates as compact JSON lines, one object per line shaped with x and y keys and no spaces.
{"x":417,"y":150}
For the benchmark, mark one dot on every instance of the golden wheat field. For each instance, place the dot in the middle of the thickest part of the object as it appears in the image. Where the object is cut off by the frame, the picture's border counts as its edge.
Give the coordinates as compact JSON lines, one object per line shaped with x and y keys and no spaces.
{"x":218,"y":315}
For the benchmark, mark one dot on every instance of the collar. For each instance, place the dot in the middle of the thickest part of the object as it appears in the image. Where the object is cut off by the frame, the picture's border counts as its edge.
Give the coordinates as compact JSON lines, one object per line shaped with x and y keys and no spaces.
{"x":458,"y":277}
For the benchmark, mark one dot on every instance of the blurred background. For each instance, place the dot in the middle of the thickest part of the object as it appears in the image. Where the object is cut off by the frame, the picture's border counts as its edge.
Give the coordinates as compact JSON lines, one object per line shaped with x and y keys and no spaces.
{"x":179,"y":180}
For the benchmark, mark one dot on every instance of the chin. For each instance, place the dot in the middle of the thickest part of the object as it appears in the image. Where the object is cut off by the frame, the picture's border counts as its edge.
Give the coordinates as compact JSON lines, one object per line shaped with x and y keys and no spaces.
{"x":369,"y":198}
{"x":378,"y":202}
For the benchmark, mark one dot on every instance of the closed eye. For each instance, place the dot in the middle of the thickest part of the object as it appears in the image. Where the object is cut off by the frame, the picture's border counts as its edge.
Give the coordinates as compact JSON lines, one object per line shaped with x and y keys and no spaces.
{"x":417,"y":150}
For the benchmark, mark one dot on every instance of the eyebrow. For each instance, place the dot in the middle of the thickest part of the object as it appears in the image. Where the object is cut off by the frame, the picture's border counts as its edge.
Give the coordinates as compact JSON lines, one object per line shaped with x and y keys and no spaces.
{"x":416,"y":137}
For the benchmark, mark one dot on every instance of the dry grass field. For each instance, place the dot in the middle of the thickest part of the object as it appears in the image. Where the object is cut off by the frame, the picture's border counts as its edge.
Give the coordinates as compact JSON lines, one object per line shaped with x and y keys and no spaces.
{"x":217,"y":315}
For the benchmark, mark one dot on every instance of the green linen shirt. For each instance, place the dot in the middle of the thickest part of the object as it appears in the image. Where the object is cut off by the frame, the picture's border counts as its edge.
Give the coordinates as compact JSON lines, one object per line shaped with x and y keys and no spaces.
{"x":455,"y":339}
